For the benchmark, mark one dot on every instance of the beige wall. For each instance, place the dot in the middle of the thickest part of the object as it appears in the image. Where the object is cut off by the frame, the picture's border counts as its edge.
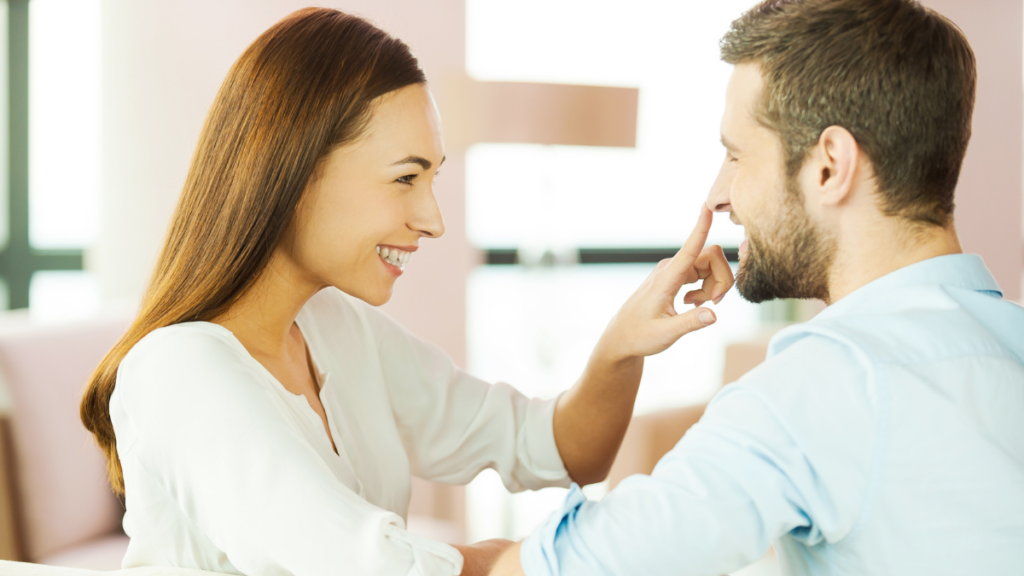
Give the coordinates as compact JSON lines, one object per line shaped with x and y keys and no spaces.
{"x":989,"y":212}
{"x":162,"y":64}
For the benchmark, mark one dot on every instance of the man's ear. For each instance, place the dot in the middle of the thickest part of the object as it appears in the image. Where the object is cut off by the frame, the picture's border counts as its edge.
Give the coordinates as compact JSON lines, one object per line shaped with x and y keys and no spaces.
{"x":833,"y":163}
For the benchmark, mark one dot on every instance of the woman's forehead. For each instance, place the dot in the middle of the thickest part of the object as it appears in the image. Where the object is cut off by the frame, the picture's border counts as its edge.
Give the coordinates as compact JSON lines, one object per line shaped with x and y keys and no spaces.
{"x":405,"y":123}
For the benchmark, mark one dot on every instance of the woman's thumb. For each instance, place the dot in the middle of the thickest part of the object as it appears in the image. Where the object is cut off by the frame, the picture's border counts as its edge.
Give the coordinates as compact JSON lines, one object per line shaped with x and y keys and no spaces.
{"x":695,"y":320}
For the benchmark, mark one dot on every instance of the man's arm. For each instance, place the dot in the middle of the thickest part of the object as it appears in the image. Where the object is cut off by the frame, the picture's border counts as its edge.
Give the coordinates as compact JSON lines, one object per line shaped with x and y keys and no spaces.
{"x":707,"y":508}
{"x":787,"y":450}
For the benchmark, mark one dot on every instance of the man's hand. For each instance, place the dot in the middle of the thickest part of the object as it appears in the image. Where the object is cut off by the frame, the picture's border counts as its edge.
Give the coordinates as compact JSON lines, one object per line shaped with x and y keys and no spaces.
{"x":479,"y":559}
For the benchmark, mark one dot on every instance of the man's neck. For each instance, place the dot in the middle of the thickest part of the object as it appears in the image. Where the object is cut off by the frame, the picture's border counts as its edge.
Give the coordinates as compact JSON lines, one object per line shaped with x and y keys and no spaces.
{"x":886,"y":247}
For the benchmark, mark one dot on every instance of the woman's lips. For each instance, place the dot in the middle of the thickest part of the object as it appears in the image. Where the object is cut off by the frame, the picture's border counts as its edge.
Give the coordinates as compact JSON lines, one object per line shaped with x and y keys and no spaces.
{"x":391,"y":268}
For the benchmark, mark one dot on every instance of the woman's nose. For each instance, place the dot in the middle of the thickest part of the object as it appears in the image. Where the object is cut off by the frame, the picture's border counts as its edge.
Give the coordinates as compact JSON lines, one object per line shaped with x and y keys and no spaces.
{"x":428,"y":220}
{"x":719,"y":197}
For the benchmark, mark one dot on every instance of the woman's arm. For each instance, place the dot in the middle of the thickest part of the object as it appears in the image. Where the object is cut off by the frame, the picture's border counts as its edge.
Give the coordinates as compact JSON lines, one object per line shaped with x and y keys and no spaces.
{"x":454,"y":425}
{"x":591,"y":418}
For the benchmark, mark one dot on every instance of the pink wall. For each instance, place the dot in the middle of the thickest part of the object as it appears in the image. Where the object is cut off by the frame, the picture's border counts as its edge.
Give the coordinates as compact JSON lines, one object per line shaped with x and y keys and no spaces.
{"x":988,"y":215}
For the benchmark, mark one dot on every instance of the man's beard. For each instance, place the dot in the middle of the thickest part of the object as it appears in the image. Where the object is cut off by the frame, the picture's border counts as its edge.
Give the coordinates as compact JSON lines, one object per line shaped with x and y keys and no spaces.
{"x":794,"y":262}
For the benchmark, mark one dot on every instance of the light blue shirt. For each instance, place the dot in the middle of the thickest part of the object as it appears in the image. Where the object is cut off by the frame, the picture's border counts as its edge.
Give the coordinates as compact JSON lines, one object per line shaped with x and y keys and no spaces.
{"x":885,"y":436}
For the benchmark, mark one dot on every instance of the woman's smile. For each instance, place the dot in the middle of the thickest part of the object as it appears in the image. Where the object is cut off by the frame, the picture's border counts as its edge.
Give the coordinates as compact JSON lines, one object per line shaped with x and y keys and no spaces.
{"x":395,"y":258}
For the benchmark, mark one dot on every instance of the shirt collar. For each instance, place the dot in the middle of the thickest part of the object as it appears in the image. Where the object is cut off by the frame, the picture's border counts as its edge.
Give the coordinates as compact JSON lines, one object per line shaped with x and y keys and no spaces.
{"x":962,"y":270}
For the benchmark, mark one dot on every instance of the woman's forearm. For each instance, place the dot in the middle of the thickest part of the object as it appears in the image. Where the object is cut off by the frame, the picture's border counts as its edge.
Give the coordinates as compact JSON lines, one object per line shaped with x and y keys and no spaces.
{"x":591,"y":418}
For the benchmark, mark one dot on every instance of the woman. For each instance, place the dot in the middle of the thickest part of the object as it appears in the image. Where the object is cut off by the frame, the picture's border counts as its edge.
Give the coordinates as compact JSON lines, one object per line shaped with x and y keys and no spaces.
{"x":260,"y":415}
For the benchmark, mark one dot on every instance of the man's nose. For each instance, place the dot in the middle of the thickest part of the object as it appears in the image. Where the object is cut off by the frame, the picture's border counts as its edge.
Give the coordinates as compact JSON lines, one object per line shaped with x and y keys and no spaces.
{"x":427,"y":220}
{"x":719,"y":196}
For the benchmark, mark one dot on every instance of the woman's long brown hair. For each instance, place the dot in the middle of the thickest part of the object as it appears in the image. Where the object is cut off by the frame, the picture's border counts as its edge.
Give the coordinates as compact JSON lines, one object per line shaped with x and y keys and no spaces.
{"x":304,"y":87}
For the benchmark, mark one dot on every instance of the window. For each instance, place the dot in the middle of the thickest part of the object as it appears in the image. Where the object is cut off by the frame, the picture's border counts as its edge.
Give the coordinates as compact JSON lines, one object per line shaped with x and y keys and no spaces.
{"x":52,"y":168}
{"x":64,"y":123}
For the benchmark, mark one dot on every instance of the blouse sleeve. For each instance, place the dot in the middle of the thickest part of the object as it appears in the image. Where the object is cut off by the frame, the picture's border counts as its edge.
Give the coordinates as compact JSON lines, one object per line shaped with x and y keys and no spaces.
{"x":202,"y":427}
{"x":454,"y":425}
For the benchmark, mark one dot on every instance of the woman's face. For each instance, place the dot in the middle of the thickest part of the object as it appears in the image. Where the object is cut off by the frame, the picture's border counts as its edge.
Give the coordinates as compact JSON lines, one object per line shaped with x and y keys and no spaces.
{"x":359,"y":223}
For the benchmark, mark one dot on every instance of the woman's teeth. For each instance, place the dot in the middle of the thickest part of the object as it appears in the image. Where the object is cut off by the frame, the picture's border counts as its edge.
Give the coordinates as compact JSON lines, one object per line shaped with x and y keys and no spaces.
{"x":394,"y":256}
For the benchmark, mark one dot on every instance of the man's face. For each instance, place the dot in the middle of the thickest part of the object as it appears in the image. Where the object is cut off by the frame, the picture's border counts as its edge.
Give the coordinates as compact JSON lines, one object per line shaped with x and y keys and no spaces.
{"x":785,"y":254}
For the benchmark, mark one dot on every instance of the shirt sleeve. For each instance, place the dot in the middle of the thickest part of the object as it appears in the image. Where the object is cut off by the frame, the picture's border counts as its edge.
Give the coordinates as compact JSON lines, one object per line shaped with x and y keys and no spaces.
{"x":760,"y":464}
{"x":454,"y":425}
{"x":214,"y":438}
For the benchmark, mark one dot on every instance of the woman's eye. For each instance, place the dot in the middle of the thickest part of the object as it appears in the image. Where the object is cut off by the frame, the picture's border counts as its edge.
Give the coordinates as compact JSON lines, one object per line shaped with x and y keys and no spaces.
{"x":730,"y":157}
{"x":407,"y":179}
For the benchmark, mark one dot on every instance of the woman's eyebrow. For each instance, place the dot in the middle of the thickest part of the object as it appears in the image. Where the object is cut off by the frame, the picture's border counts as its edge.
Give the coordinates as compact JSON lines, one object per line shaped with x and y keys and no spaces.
{"x":426,"y":164}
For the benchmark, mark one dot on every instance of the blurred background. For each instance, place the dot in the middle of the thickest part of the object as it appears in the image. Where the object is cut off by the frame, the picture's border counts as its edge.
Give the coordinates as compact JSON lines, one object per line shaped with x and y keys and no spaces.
{"x":582,"y":136}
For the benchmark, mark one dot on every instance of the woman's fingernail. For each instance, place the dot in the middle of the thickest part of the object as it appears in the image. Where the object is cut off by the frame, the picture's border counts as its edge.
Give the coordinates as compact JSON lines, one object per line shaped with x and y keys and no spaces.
{"x":706,"y":318}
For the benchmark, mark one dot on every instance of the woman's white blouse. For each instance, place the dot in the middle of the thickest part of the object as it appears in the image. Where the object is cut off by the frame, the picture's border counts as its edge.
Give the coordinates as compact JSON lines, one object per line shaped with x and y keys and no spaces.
{"x":227,"y":471}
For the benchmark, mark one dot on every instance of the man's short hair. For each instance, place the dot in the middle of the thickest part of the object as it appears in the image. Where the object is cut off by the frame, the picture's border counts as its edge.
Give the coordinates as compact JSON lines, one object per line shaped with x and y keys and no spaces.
{"x":898,"y":76}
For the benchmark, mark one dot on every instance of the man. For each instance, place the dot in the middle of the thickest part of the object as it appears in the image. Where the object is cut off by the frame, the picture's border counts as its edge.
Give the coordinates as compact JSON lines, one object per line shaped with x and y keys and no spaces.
{"x":886,"y":435}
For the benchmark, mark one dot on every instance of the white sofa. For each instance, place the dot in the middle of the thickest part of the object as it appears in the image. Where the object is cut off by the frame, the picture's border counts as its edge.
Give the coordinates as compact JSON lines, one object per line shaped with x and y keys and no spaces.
{"x":8,"y":568}
{"x":57,"y":504}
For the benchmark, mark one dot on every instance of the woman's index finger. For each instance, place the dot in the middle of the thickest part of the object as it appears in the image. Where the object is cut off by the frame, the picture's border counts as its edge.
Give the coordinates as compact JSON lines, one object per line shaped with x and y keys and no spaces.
{"x":690,"y":251}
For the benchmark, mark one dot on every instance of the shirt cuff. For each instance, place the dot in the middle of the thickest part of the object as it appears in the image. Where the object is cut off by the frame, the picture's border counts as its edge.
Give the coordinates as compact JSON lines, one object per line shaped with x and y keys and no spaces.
{"x":537,"y":553}
{"x":537,"y":448}
{"x":430,"y":558}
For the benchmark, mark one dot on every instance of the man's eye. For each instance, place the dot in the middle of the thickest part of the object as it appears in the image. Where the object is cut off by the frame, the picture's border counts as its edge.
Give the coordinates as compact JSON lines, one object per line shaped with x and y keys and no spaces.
{"x":730,"y":157}
{"x":407,"y":179}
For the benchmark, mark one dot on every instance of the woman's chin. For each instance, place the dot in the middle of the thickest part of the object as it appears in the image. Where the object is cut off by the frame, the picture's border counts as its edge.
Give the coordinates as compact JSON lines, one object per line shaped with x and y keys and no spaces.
{"x":377,"y":297}
{"x":376,"y":292}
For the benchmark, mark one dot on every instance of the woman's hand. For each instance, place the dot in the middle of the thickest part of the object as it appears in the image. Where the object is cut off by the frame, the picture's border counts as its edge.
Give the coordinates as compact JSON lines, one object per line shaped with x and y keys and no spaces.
{"x":591,"y":418}
{"x":648,"y":322}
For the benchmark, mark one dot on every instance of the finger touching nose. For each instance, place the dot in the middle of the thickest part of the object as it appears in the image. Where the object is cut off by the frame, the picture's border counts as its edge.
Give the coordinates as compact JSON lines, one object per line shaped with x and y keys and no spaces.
{"x":718,"y":198}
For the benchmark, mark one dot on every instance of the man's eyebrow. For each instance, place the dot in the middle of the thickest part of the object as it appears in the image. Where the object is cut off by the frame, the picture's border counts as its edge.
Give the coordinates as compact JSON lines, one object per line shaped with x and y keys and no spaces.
{"x":426,"y":164}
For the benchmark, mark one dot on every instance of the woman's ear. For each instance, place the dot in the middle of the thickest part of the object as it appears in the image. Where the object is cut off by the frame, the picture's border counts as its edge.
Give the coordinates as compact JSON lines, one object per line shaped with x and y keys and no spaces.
{"x":834,"y":163}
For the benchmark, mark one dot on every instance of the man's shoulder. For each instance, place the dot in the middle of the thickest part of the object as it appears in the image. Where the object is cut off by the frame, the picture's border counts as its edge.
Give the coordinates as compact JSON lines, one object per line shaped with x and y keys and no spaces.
{"x":808,"y":403}
{"x":806,"y":365}
{"x":918,"y":325}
